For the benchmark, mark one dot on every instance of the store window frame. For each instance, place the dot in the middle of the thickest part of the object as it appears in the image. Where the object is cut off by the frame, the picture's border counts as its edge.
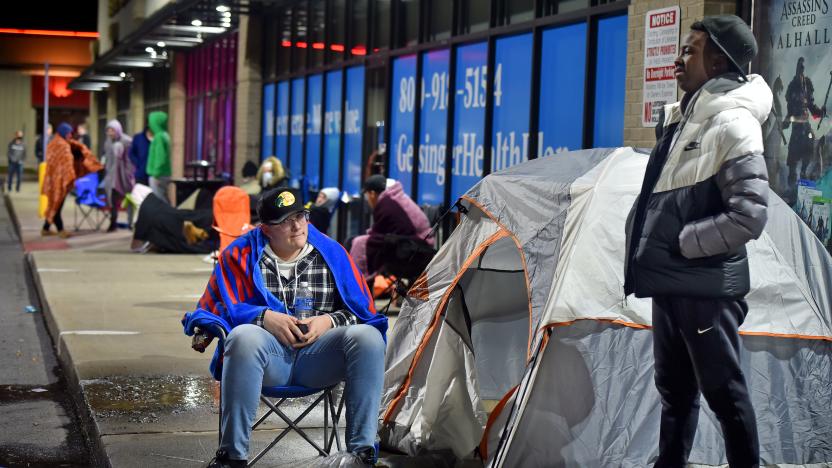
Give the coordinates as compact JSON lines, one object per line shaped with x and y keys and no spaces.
{"x":499,"y":27}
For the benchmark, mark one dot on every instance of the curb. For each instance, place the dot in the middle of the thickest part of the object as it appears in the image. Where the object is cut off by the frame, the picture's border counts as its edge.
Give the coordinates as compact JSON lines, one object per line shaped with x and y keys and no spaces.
{"x":13,"y":215}
{"x":89,"y":428}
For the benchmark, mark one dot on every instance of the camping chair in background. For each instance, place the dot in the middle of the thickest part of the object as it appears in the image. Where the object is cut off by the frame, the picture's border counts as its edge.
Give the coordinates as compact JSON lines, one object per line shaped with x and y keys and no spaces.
{"x":232,"y":214}
{"x":274,"y":397}
{"x":404,"y":260}
{"x":90,"y":203}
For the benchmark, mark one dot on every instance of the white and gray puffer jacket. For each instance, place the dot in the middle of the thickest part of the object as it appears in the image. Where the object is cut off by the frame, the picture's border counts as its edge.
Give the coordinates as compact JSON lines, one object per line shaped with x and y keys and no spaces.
{"x":704,"y":196}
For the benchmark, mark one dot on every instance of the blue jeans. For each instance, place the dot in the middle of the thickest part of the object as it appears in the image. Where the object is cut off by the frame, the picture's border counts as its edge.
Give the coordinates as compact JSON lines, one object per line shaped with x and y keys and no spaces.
{"x":354,"y":353}
{"x":15,"y":170}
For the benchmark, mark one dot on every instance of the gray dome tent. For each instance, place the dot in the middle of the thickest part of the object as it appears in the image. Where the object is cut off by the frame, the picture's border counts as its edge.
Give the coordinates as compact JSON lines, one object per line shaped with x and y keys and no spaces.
{"x":517,"y":345}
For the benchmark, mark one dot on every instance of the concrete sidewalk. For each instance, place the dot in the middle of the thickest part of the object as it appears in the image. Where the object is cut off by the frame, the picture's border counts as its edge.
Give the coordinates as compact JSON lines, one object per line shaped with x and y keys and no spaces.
{"x":114,"y":317}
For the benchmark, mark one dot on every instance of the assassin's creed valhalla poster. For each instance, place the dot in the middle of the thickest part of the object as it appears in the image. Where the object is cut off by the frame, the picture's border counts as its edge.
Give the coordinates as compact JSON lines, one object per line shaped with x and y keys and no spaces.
{"x":795,"y":58}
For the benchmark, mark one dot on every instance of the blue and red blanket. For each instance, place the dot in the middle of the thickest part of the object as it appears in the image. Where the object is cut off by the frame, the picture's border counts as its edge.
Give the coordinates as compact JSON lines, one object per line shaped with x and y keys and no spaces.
{"x":236,"y":295}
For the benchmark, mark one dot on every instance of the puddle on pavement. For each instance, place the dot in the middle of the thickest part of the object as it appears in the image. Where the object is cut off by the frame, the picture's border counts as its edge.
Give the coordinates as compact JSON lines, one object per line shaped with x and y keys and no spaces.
{"x":145,"y":398}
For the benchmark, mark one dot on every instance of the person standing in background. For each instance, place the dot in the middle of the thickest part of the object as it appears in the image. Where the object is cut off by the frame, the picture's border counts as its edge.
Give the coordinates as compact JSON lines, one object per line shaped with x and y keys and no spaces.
{"x":158,"y":158}
{"x":138,"y":155}
{"x":118,"y":181}
{"x":39,"y":143}
{"x":17,"y":153}
{"x":83,"y":136}
{"x":66,"y":160}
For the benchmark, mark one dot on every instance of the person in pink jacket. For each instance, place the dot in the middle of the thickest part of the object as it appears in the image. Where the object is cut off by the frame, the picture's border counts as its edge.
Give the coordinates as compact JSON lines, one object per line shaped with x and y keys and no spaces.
{"x":394,"y":213}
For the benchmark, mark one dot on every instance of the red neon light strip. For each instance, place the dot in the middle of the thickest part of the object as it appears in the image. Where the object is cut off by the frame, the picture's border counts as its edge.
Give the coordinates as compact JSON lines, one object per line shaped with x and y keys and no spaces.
{"x":318,"y":45}
{"x":286,"y":43}
{"x":46,"y":32}
{"x":300,"y":45}
{"x":359,"y":50}
{"x":337,"y":47}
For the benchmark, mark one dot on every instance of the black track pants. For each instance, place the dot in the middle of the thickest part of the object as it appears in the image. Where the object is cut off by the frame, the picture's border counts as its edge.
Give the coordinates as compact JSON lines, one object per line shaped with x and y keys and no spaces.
{"x":696,"y":349}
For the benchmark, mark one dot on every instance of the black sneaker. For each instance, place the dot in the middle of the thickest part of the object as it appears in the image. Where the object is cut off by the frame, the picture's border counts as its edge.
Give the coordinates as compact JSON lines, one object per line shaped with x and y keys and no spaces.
{"x":367,"y":455}
{"x":221,"y":460}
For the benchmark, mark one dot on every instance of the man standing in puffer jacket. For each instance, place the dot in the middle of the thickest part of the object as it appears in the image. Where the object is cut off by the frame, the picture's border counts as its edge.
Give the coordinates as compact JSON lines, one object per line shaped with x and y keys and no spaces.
{"x":704,"y":196}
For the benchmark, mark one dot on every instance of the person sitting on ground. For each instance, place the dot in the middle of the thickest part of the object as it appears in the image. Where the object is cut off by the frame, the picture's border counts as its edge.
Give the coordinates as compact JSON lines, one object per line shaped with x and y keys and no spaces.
{"x":164,"y":229}
{"x":66,"y":160}
{"x":394,"y":213}
{"x":320,"y":212}
{"x":266,"y":343}
{"x":249,"y":182}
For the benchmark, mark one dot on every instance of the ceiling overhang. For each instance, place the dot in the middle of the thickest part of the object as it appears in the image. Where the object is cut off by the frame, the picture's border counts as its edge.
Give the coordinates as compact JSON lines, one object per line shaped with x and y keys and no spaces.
{"x":180,"y":25}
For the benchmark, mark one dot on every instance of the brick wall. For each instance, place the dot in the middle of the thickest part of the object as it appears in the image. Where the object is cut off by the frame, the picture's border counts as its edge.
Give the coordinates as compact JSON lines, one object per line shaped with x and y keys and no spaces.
{"x":249,"y":94}
{"x":176,"y":119}
{"x":691,"y":10}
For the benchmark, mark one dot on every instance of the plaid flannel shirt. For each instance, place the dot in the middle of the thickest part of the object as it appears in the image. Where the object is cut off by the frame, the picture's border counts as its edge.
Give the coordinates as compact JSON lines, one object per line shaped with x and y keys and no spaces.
{"x":313,"y":269}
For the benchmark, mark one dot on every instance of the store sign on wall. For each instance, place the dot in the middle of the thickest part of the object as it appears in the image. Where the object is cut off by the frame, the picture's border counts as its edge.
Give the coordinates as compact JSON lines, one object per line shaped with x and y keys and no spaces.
{"x":661,"y":46}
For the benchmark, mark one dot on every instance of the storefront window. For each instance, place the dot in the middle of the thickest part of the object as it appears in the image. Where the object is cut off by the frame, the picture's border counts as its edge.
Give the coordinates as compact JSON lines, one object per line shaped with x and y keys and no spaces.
{"x":519,"y":11}
{"x":408,"y":23}
{"x":510,"y":101}
{"x":433,"y":127}
{"x":317,"y":19}
{"x":610,"y":81}
{"x":270,"y":49}
{"x":475,"y":15}
{"x":267,"y":130}
{"x":469,"y":117}
{"x":402,"y":119}
{"x":284,"y":41}
{"x":335,"y":28}
{"x":441,"y":16}
{"x":332,"y":129}
{"x":210,"y":93}
{"x":374,"y":144}
{"x":296,"y":132}
{"x":312,"y":168}
{"x":358,"y":32}
{"x":555,"y":7}
{"x":561,"y":102}
{"x":301,"y":42}
{"x":381,"y":25}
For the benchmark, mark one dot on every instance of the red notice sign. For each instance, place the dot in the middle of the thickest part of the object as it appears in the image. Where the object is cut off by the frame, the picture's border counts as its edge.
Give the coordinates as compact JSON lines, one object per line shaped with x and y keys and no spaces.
{"x":661,"y":46}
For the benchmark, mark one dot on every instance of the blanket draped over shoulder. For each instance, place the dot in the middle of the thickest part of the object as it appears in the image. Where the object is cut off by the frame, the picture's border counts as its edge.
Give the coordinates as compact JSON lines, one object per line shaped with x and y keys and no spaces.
{"x":66,"y":160}
{"x":236,"y":294}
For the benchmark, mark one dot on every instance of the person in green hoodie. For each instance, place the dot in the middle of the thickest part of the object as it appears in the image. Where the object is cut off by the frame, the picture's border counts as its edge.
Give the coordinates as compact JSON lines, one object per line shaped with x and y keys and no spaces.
{"x":158,"y":158}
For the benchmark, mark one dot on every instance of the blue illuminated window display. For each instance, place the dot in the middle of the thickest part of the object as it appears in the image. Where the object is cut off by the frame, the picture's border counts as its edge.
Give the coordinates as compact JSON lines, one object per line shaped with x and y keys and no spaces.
{"x":511,"y":100}
{"x":353,"y":125}
{"x":561,"y":111}
{"x":267,"y":147}
{"x":402,"y":120}
{"x":282,"y":122}
{"x":432,"y":122}
{"x":312,"y":169}
{"x":296,"y":135}
{"x":469,"y":117}
{"x":332,"y":128}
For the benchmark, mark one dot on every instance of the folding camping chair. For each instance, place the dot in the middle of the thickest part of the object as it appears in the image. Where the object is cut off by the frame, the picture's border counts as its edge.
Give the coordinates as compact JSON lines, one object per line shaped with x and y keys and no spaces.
{"x":404,"y":260}
{"x":232,"y":215}
{"x":274,"y":397}
{"x":89,"y":203}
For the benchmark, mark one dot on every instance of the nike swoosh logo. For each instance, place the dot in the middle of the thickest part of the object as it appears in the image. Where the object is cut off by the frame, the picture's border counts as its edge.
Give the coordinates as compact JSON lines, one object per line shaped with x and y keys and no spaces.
{"x":703,"y":331}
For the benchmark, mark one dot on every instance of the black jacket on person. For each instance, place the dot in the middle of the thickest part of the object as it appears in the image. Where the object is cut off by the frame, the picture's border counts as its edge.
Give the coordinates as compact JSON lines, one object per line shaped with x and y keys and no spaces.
{"x":704,"y":195}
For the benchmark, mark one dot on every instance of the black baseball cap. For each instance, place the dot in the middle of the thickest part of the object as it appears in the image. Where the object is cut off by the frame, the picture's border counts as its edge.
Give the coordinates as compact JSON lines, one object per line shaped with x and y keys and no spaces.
{"x":734,"y":38}
{"x":375,"y":183}
{"x":275,"y":205}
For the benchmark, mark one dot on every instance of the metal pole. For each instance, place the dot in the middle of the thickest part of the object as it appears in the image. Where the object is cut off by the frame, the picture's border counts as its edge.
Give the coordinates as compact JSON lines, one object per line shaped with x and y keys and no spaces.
{"x":45,"y":107}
